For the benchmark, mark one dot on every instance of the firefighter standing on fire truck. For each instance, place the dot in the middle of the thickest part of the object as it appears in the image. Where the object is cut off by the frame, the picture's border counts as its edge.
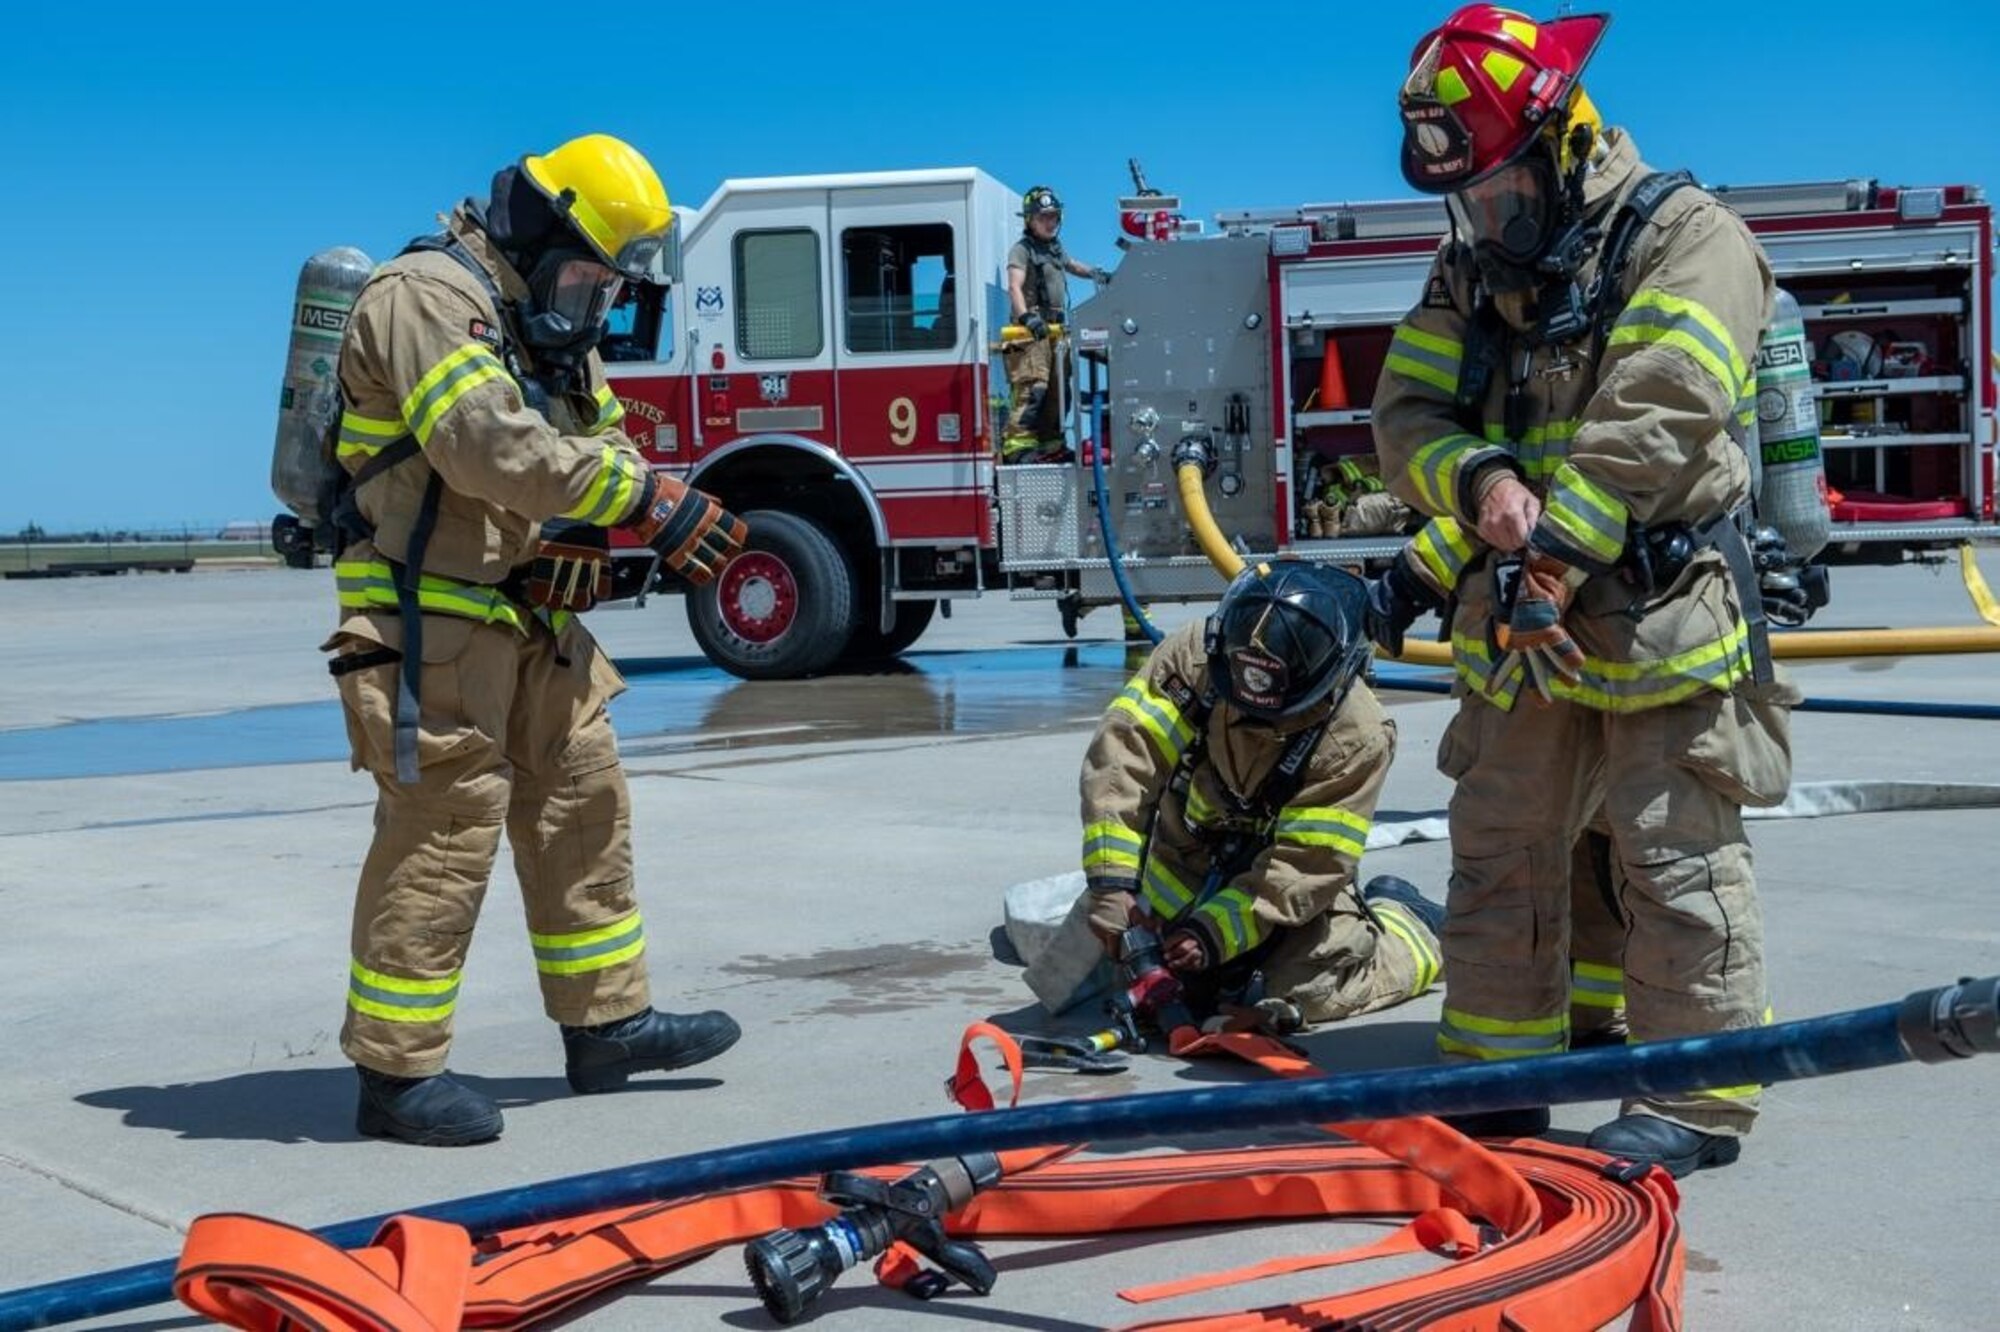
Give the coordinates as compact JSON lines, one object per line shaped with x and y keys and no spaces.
{"x":1583,"y":447}
{"x":1038,"y":271}
{"x":484,"y":453}
{"x":1227,"y":796}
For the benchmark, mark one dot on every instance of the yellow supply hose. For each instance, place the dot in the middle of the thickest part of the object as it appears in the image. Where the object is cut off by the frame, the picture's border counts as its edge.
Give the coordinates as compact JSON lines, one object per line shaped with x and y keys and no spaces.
{"x":1830,"y":643}
{"x":1975,"y":585}
{"x":1206,"y":534}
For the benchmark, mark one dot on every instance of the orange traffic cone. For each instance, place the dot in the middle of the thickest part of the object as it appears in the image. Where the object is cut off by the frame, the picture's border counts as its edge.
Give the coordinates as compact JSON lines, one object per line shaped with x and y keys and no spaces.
{"x":1332,"y":381}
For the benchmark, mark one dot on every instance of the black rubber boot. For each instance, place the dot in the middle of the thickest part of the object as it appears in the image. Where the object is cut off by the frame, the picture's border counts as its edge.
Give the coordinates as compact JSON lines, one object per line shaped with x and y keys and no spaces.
{"x":1529,"y":1123}
{"x":437,"y":1111}
{"x":1650,"y":1140}
{"x":1389,"y":888}
{"x":601,"y":1058}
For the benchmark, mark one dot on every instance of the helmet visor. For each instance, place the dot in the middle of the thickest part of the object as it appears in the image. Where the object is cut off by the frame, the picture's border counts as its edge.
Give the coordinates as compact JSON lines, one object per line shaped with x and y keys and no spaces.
{"x":1510,"y":213}
{"x":639,"y":257}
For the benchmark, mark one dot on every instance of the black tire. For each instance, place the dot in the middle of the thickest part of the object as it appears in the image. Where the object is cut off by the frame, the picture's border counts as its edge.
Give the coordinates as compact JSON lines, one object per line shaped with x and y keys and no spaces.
{"x":870,"y":644}
{"x":784,"y":608}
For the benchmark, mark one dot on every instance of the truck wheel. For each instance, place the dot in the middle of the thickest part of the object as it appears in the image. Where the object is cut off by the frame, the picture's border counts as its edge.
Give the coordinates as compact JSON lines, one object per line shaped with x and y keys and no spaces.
{"x":782,"y":609}
{"x":869,"y":643}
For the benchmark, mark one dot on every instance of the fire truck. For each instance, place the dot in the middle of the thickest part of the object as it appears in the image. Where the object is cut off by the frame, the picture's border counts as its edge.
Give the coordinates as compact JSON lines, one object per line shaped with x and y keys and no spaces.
{"x":824,"y":361}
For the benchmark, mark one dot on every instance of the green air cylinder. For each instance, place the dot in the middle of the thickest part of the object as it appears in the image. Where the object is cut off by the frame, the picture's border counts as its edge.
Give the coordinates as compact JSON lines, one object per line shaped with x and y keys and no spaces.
{"x":1792,"y":497}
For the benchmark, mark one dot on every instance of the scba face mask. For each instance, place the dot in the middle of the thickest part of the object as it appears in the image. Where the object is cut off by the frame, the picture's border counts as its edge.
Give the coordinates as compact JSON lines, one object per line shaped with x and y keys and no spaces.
{"x":1510,"y":219}
{"x":570,"y":298}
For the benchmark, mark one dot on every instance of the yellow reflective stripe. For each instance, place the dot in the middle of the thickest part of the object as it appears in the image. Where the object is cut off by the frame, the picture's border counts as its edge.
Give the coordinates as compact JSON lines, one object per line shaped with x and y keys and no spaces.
{"x":1618,"y":686}
{"x":1540,"y":450}
{"x":445,"y":383}
{"x":1594,"y":985}
{"x":1157,"y":717}
{"x":1425,"y":357}
{"x":1434,"y":470}
{"x":1450,"y":86}
{"x":589,"y":950}
{"x":609,"y":410}
{"x":1654,"y":316}
{"x":366,"y":436}
{"x":1322,"y":825}
{"x":1398,"y":923}
{"x":611,"y":494}
{"x":1728,"y":1093}
{"x":400,"y":998}
{"x":1198,"y":808}
{"x":362,"y":584}
{"x":1442,"y":547}
{"x":1460,"y":1032}
{"x":1590,"y":517}
{"x":1110,"y":844}
{"x":1165,"y":892}
{"x":1234,"y":918}
{"x":1521,"y":30}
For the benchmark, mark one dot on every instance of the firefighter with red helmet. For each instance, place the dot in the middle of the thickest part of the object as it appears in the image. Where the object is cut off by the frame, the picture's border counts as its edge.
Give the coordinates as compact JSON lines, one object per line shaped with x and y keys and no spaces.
{"x":484,"y":466}
{"x":1569,"y":399}
{"x":1227,"y":795}
{"x":1038,"y":273}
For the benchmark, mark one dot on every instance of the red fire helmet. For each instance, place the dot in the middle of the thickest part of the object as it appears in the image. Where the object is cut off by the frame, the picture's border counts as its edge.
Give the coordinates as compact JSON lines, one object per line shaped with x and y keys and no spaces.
{"x":1483,"y":85}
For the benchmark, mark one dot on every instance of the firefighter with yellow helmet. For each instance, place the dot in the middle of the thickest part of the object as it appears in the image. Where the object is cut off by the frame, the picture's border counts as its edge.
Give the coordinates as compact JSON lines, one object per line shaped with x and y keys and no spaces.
{"x":484,"y":465}
{"x":1227,"y":796}
{"x":1569,"y":400}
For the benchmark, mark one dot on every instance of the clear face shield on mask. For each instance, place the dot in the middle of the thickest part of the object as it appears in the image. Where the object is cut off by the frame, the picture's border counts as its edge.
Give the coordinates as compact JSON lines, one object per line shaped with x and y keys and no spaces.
{"x":1509,"y":218}
{"x":572,"y":297}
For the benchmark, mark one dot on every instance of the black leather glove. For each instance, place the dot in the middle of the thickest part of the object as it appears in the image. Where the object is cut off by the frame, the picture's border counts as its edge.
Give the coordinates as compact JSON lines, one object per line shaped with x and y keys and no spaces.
{"x":1101,"y":276}
{"x":1038,"y":327}
{"x":1395,"y":601}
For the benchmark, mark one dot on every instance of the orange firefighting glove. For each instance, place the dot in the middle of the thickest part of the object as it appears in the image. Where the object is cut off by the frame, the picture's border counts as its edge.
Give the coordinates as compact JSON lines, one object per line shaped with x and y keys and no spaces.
{"x":694,"y":535}
{"x":1533,"y":631}
{"x":572,"y":568}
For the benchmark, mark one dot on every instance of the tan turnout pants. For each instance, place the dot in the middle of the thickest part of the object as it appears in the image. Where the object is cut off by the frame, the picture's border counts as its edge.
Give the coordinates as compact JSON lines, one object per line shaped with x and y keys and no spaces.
{"x":514,"y":735}
{"x":1673,"y":781}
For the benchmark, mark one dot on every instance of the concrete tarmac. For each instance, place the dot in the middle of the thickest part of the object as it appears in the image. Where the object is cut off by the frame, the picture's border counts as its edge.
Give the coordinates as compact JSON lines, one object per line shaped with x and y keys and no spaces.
{"x":180,"y":833}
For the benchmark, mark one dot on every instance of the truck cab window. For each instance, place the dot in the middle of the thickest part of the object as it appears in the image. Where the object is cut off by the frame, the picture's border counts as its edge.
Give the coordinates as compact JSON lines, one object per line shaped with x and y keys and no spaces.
{"x":899,"y":292}
{"x":778,"y":298}
{"x":641,"y":325}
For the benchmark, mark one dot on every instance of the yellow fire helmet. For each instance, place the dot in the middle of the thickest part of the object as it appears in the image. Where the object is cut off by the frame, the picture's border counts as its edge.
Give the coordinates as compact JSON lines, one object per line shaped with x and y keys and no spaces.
{"x":611,"y":195}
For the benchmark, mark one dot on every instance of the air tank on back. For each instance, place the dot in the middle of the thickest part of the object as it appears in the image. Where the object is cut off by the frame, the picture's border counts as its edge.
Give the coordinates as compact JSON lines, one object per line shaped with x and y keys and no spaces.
{"x":309,"y":405}
{"x":1792,"y":493}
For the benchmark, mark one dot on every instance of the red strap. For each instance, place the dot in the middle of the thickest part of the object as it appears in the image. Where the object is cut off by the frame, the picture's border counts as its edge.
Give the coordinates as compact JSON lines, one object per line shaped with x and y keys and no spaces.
{"x":967,"y":1086}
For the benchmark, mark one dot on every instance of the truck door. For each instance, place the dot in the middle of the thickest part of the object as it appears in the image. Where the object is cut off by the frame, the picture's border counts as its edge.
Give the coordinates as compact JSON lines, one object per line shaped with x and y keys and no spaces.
{"x":904,"y":348}
{"x":763,"y":356}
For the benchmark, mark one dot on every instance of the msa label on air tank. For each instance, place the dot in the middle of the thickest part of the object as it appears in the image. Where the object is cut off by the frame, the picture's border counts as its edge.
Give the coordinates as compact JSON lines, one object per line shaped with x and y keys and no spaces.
{"x":1781,"y":351}
{"x":317,"y":318}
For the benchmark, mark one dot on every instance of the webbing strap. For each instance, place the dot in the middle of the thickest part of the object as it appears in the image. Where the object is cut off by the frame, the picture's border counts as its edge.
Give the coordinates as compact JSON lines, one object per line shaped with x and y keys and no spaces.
{"x":966,"y":1085}
{"x":266,"y":1276}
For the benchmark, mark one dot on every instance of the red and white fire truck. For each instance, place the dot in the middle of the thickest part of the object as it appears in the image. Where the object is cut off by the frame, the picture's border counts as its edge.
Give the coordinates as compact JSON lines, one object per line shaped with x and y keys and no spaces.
{"x":823,"y":362}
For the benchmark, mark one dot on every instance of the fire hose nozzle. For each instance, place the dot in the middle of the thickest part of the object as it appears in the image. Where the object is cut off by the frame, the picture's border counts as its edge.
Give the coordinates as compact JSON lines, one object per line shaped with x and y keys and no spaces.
{"x":1951,"y":1022}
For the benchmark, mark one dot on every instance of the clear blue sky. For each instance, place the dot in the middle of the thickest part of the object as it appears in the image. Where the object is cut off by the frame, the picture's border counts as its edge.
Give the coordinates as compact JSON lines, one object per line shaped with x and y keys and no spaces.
{"x":169,"y":170}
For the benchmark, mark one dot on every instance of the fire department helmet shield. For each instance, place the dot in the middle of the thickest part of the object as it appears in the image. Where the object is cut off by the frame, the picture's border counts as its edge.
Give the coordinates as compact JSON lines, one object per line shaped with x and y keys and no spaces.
{"x":1437,"y":148}
{"x":1258,"y":680}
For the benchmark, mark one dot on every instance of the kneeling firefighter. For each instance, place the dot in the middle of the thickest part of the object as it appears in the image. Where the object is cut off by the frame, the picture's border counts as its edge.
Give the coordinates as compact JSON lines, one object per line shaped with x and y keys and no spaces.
{"x":1227,"y":796}
{"x":1570,"y":400}
{"x":482,"y":466}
